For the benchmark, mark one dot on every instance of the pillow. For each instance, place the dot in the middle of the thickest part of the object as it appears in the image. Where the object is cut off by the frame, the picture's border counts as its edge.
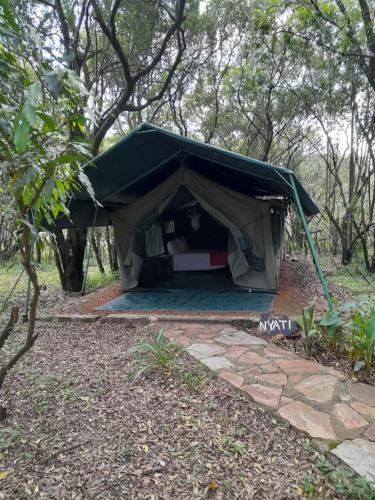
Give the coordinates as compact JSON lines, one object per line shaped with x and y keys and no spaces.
{"x":178,"y":245}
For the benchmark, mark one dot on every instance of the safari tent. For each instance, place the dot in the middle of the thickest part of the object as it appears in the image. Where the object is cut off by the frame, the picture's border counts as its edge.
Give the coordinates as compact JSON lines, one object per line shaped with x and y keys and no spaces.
{"x":182,"y":207}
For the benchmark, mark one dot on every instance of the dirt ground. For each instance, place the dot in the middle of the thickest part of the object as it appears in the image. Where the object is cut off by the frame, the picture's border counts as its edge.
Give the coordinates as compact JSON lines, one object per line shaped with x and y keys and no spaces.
{"x":79,"y":427}
{"x":299,"y":284}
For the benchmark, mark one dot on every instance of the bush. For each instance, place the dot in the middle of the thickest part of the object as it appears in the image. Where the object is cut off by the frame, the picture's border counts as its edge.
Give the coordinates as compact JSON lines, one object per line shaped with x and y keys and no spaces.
{"x":310,"y":333}
{"x":362,"y":328}
{"x":158,"y":355}
{"x":333,"y":329}
{"x":349,"y":330}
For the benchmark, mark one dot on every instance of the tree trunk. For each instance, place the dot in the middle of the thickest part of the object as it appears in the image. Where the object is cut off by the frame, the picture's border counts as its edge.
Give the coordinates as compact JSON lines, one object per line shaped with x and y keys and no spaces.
{"x":38,"y":255}
{"x":75,"y":243}
{"x":69,"y":257}
{"x":372,"y":266}
{"x":109,"y":248}
{"x":58,"y":248}
{"x":31,"y":336}
{"x":97,"y":254}
{"x":114,"y":257}
{"x":346,"y":247}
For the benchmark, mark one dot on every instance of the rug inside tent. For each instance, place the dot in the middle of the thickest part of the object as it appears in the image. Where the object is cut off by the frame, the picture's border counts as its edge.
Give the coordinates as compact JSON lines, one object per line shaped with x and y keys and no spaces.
{"x":193,"y":292}
{"x":191,"y":301}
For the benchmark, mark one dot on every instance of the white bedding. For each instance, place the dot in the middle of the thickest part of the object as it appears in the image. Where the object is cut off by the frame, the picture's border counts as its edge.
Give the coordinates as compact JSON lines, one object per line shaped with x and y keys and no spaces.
{"x":193,"y":261}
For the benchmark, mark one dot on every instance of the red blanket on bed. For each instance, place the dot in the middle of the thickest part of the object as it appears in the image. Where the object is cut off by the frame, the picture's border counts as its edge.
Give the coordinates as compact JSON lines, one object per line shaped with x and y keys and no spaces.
{"x":218,"y":258}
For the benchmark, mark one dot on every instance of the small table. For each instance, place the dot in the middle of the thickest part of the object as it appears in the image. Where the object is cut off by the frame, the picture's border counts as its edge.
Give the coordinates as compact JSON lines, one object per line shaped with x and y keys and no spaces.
{"x":165,"y":266}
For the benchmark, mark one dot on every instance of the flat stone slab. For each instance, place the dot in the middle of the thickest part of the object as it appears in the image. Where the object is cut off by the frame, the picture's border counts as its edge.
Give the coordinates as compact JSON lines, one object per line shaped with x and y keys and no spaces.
{"x":370,"y":433}
{"x":235,"y":351}
{"x":217,"y":362}
{"x":284,"y":400}
{"x":200,"y":351}
{"x":349,"y":418}
{"x":252,"y":358}
{"x":363,"y":408}
{"x":251,"y":372}
{"x":233,"y":378}
{"x":269,"y":368}
{"x":228,"y":330}
{"x":318,"y":388}
{"x":268,"y":396}
{"x":359,"y":454}
{"x":278,"y":353}
{"x":315,"y":423}
{"x":240,"y":338}
{"x":273,"y":378}
{"x":298,"y":366}
{"x":362,"y":392}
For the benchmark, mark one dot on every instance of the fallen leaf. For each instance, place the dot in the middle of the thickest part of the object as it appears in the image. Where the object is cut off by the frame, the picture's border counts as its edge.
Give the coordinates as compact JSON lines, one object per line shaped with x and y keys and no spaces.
{"x":212,"y":486}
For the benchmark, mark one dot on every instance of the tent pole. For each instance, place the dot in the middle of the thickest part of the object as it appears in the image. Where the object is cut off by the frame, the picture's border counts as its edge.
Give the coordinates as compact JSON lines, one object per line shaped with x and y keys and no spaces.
{"x":83,"y":289}
{"x":310,"y":242}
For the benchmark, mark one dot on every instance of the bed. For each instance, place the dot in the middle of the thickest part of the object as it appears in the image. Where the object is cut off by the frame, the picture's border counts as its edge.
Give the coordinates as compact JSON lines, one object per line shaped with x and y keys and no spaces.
{"x":200,"y":260}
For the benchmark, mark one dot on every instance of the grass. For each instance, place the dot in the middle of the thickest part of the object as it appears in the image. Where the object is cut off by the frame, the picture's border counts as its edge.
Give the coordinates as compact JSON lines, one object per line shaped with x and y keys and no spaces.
{"x":353,"y":277}
{"x":159,"y":354}
{"x":48,"y":276}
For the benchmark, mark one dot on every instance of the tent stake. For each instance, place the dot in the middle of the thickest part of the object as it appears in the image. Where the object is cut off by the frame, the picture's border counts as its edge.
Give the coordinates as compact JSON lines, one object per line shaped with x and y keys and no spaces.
{"x":83,"y":289}
{"x":310,"y":242}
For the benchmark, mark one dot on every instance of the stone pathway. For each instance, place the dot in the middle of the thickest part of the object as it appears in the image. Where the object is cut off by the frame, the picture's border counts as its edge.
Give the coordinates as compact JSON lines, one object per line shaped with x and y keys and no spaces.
{"x":315,"y":399}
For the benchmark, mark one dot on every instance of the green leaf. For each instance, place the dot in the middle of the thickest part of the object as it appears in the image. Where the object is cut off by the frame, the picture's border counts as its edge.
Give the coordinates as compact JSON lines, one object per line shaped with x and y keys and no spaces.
{"x":331,"y":319}
{"x":370,"y":328}
{"x":48,"y":188}
{"x":68,"y":157}
{"x":48,"y":121}
{"x":7,"y":14}
{"x":87,"y":184}
{"x":359,"y":365}
{"x":6,"y":32}
{"x":52,"y":83}
{"x":26,"y":177}
{"x":34,"y":92}
{"x":28,"y":112}
{"x":21,"y":132}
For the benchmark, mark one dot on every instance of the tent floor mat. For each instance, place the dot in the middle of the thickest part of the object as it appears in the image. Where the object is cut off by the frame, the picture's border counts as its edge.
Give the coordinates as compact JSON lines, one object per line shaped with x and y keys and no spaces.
{"x":191,"y":300}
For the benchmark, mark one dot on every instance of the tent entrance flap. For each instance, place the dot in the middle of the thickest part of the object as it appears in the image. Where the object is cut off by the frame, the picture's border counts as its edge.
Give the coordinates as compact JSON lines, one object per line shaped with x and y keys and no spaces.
{"x":251,"y":250}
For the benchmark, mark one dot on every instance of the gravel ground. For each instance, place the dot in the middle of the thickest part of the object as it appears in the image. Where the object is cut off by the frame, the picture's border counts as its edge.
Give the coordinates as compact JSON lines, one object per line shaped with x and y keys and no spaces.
{"x":79,"y":427}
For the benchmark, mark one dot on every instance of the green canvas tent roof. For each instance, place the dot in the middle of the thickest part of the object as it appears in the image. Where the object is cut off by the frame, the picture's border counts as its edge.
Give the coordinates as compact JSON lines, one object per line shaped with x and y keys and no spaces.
{"x":149,"y":154}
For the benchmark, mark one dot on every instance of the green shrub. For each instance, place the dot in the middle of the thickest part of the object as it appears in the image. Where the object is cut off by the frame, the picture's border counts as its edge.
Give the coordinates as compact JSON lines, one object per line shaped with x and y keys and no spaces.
{"x":345,"y":482}
{"x":362,"y":327}
{"x":158,"y":355}
{"x":333,"y":328}
{"x":310,"y":333}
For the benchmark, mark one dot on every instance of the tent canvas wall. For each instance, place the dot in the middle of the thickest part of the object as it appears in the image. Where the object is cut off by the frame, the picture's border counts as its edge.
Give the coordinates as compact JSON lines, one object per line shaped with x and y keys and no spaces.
{"x":247,"y":219}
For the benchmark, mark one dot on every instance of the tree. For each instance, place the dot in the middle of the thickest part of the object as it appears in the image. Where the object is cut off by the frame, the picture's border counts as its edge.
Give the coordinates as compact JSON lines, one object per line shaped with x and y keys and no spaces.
{"x":117,"y":49}
{"x":332,"y":42}
{"x":237,"y":91}
{"x":40,"y":164}
{"x":344,"y":28}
